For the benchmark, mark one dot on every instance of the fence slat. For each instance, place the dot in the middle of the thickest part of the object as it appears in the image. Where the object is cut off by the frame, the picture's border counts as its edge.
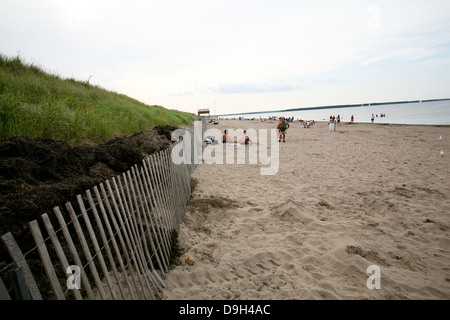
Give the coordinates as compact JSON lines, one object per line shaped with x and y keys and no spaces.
{"x":98,"y":251}
{"x":145,"y":211}
{"x":135,"y":216}
{"x":172,"y":189}
{"x":165,"y":213}
{"x":166,"y":194}
{"x":17,"y":256}
{"x":18,"y":283}
{"x":153,"y":218}
{"x":125,"y":223}
{"x":155,"y":278}
{"x":175,"y":195}
{"x":178,"y":187}
{"x":127,"y":235}
{"x":115,"y":245}
{"x":105,"y":242}
{"x":130,"y":218}
{"x":86,"y":250}
{"x":160,"y":213}
{"x":45,"y":257}
{"x":177,"y":192}
{"x":74,"y":252}
{"x":4,"y":295}
{"x":59,"y":250}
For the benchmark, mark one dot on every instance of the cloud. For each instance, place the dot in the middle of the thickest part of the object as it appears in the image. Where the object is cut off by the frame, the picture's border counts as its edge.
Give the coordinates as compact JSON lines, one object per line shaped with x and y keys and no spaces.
{"x":241,"y":88}
{"x":404,"y":55}
{"x":179,"y":53}
{"x":255,"y":88}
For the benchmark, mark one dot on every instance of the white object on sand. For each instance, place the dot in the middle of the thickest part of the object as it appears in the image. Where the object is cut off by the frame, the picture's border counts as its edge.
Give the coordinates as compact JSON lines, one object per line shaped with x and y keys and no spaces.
{"x":442,"y":152}
{"x":440,"y":138}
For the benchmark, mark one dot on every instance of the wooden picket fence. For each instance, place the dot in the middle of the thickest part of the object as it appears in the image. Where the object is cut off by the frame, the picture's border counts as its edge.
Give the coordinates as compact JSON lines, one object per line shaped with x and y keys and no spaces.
{"x":115,"y":243}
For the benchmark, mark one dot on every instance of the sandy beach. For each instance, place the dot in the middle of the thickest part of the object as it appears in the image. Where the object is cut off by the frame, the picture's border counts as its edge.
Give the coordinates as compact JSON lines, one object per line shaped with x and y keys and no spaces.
{"x":341,"y":201}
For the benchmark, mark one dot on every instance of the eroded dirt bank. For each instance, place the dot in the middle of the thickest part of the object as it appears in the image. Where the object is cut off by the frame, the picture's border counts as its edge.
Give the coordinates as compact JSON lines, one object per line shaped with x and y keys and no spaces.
{"x":39,"y":174}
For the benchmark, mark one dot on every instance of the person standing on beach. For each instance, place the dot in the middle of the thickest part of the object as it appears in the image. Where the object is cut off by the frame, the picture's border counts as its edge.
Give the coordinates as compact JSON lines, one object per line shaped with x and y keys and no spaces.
{"x":352,"y":118}
{"x":373,"y":118}
{"x":283,"y":125}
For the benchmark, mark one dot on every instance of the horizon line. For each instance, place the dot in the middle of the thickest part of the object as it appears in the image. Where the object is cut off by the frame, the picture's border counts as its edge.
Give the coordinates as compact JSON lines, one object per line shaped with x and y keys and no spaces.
{"x":333,"y":107}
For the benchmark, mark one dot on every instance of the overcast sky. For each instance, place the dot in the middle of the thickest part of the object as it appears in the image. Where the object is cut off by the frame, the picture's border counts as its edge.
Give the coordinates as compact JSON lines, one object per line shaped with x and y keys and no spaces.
{"x":239,"y":56}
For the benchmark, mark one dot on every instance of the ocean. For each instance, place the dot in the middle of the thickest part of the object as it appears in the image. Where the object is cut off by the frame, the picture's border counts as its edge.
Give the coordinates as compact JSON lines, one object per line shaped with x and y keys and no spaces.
{"x":426,"y":113}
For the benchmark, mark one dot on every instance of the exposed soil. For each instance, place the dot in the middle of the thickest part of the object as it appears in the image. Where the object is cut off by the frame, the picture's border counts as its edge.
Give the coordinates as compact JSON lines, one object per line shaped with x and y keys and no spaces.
{"x":39,"y":174}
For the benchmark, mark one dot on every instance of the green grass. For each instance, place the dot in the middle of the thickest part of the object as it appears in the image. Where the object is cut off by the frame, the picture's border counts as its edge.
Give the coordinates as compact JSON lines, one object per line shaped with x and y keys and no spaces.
{"x":35,"y":103}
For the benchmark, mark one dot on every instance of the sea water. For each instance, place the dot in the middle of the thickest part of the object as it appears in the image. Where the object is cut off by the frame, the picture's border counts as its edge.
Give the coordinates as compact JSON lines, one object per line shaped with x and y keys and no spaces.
{"x":428,"y":113}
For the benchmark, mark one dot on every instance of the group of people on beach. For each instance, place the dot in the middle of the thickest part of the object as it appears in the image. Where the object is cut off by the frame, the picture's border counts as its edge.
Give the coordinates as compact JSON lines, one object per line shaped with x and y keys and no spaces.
{"x":244,"y":139}
{"x":334,"y":119}
{"x":382,"y":115}
{"x":282,"y":127}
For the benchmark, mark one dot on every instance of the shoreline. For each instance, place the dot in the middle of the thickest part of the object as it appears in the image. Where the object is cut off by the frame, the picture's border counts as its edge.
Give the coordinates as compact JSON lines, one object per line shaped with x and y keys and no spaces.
{"x":369,"y":104}
{"x":349,"y":123}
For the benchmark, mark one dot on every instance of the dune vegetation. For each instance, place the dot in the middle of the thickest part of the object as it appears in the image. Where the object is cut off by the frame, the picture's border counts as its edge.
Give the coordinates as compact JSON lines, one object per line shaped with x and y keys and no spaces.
{"x":35,"y":103}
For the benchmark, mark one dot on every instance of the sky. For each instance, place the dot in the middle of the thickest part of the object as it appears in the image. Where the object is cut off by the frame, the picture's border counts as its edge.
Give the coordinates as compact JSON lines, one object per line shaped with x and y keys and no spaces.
{"x":239,"y":55}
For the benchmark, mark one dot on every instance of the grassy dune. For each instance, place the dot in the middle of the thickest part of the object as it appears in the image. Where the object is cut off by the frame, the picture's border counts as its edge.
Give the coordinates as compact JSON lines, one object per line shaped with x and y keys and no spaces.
{"x":35,"y":103}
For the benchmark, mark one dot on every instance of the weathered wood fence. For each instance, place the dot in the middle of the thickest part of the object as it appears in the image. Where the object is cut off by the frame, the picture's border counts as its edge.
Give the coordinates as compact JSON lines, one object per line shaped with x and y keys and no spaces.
{"x":116,"y":242}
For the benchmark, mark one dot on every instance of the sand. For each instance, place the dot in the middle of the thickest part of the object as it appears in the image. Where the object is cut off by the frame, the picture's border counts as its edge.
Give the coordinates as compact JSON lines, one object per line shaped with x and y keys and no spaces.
{"x":344,"y":200}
